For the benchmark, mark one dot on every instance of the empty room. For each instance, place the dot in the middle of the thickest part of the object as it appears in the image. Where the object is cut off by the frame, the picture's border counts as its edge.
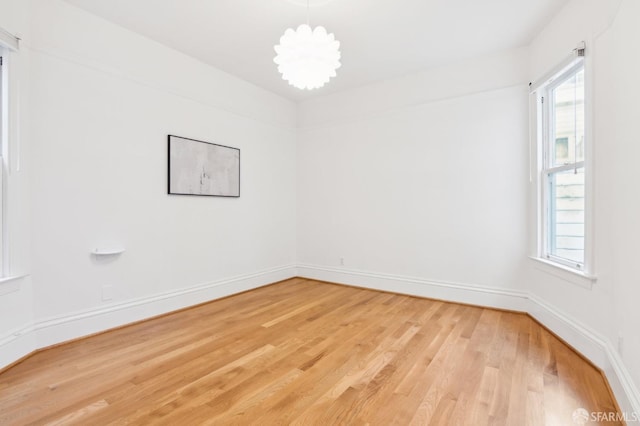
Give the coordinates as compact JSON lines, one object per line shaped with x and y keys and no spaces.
{"x":319,"y":212}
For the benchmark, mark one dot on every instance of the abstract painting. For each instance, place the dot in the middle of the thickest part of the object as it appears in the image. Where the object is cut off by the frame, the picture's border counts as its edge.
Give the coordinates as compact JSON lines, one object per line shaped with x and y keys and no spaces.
{"x":203,"y":168}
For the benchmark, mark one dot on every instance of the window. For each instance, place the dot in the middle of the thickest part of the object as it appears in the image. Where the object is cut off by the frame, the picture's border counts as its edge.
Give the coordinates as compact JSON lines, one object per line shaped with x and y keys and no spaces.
{"x":9,"y":45}
{"x":3,"y":147}
{"x":563,"y":170}
{"x":562,"y":166}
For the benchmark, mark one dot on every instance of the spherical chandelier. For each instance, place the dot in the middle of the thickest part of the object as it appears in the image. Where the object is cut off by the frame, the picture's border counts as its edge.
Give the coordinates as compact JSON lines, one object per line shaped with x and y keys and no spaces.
{"x":307,"y":58}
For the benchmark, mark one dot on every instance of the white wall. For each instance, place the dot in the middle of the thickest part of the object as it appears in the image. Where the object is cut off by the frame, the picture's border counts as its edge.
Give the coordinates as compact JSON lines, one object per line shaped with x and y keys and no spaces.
{"x":418,"y":184}
{"x":101,"y":102}
{"x":609,"y":307}
{"x":420,"y":177}
{"x":619,"y":115}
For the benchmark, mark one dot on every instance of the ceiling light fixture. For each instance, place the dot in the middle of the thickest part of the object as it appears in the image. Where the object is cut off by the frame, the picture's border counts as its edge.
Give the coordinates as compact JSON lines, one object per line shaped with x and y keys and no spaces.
{"x":307,"y":58}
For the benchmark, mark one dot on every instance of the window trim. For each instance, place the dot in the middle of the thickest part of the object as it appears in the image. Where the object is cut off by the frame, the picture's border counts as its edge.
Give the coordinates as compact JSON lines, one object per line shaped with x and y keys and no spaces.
{"x":559,"y":267}
{"x":573,"y":276}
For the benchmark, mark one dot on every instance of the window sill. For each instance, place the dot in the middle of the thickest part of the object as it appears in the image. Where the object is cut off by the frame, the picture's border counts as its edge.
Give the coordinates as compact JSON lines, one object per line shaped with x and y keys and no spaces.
{"x":565,"y":273}
{"x":10,"y":284}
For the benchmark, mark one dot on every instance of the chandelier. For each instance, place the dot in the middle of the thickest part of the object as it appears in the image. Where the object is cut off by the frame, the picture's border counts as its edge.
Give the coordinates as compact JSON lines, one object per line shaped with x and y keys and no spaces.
{"x":307,"y":58}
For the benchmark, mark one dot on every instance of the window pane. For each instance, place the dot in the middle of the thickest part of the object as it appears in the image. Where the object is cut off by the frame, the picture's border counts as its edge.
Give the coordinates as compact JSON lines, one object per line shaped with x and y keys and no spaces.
{"x":566,"y":215}
{"x":568,"y":120}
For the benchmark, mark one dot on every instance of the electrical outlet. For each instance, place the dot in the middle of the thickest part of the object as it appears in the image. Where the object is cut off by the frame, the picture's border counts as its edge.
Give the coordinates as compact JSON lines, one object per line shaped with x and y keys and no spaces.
{"x":107,"y":293}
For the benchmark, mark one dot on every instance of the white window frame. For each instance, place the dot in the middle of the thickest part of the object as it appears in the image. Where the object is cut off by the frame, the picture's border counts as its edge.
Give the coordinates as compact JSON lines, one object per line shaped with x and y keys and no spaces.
{"x":541,"y":132}
{"x":4,"y":141}
{"x":547,"y":168}
{"x":9,"y":158}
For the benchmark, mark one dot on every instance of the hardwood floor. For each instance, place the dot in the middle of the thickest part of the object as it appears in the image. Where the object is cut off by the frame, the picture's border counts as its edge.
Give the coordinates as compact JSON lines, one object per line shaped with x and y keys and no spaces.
{"x":303,"y":352}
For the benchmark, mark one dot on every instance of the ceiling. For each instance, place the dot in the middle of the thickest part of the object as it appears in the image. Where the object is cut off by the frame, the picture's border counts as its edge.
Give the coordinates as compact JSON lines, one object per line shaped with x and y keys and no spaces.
{"x":380,"y":39}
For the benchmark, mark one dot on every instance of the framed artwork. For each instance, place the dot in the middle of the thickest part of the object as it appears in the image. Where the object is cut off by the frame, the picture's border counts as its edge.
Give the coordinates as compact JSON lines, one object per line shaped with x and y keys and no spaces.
{"x":203,"y":168}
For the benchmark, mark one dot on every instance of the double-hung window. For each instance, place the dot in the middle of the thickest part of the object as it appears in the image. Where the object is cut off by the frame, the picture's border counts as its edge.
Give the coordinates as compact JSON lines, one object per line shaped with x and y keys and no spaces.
{"x":562,"y":167}
{"x":8,"y":46}
{"x":3,"y":149}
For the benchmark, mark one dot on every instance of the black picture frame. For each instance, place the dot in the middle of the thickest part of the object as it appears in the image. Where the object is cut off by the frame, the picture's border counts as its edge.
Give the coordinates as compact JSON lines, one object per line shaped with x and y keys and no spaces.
{"x":200,"y":168}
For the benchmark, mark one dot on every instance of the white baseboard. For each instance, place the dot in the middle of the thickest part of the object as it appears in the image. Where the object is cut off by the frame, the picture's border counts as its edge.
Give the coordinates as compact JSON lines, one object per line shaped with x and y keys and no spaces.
{"x":622,"y":385}
{"x":587,"y":341}
{"x":42,"y":333}
{"x":46,"y":332}
{"x":456,"y":292}
{"x":16,"y":344}
{"x":593,"y":346}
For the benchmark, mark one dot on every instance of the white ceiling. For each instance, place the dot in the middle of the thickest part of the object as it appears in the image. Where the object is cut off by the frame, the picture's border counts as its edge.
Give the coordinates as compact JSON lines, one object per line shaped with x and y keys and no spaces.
{"x":380,"y":39}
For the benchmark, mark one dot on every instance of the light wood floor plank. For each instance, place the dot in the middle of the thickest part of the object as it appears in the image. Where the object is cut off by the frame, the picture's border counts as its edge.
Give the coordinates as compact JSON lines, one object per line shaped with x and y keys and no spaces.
{"x":305,"y":352}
